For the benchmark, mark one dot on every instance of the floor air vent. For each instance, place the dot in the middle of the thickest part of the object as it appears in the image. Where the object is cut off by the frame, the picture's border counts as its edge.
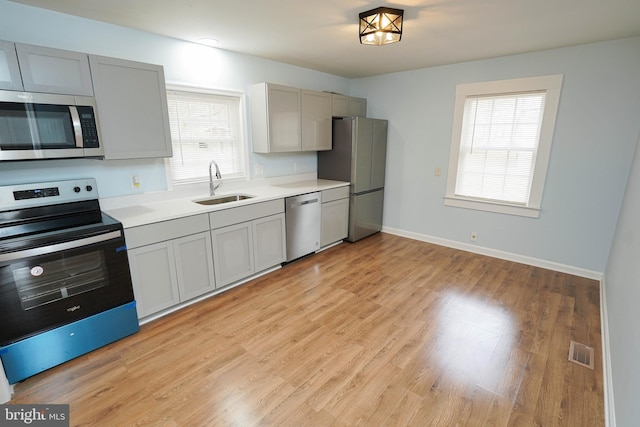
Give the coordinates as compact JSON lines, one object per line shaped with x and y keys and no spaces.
{"x":581,"y":354}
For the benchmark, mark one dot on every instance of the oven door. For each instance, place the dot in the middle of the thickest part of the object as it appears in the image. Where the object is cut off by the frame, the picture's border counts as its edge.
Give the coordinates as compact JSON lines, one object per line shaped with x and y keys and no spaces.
{"x":51,"y":285}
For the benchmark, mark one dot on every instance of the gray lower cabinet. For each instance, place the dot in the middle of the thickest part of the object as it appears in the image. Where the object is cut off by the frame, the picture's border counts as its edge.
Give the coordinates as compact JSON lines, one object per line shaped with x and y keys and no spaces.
{"x":171,"y":262}
{"x":269,"y":241}
{"x":233,"y":253}
{"x":153,"y":273}
{"x":194,"y":265}
{"x":177,"y":260}
{"x":335,"y":215}
{"x":247,"y":240}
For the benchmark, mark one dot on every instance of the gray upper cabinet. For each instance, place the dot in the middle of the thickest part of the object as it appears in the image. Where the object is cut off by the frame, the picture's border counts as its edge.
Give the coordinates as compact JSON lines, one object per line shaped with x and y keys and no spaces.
{"x":54,"y":71}
{"x":131,"y":100}
{"x":288,"y":119}
{"x":9,"y":71}
{"x":348,"y":106}
{"x":357,"y":107}
{"x":316,"y":120}
{"x":275,"y":118}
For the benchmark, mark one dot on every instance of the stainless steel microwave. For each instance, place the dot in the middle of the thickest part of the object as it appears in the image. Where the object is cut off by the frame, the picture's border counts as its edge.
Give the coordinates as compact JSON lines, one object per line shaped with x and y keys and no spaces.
{"x":37,"y":126}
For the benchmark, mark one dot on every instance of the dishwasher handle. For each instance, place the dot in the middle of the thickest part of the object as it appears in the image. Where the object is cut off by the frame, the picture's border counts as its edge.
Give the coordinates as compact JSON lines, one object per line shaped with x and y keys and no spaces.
{"x":297,"y":204}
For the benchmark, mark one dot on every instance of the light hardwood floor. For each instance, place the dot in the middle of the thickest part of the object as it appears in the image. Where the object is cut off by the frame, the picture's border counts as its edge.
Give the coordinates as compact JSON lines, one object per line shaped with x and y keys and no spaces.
{"x":383,"y":332}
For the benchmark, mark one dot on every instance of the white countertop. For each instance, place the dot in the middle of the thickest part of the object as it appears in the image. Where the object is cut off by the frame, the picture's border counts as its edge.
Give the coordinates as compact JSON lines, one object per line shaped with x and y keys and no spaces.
{"x":142,"y":214}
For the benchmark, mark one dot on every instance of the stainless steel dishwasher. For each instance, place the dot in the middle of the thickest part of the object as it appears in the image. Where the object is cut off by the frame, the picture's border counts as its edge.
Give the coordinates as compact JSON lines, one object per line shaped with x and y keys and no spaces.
{"x":303,"y":215}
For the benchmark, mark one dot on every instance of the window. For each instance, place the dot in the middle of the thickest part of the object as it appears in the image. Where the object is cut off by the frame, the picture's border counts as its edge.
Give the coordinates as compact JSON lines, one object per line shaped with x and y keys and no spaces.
{"x":205,"y":126}
{"x":502,"y":133}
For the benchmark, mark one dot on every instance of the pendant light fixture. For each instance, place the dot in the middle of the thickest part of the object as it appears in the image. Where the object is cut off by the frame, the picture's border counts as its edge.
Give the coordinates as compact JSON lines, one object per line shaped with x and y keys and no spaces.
{"x":381,"y":26}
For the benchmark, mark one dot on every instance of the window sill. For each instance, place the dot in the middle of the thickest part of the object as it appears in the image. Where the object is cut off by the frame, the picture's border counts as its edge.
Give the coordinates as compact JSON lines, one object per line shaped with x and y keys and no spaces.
{"x":487,"y":206}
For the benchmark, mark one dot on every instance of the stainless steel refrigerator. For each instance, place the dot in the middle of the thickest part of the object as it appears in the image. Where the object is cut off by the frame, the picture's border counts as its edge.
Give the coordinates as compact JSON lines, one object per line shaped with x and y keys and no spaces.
{"x":358,"y":155}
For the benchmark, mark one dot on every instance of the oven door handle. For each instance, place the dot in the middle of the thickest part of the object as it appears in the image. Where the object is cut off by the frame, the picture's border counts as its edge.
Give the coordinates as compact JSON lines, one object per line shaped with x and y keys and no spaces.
{"x":12,"y":256}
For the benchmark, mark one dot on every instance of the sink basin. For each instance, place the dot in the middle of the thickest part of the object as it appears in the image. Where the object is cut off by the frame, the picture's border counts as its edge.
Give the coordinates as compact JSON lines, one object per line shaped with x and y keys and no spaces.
{"x":216,"y":200}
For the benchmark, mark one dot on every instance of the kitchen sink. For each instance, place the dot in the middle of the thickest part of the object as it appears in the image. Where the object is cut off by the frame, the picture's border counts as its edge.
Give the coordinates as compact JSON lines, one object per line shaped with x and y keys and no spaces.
{"x":216,"y":200}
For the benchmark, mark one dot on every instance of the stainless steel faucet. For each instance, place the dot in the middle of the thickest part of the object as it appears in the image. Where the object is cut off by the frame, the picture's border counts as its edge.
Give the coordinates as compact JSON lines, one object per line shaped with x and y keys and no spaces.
{"x":213,"y":188}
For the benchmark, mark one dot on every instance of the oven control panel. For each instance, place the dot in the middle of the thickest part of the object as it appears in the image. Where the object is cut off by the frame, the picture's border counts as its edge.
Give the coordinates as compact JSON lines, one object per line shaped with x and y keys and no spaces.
{"x":38,"y":192}
{"x":47,"y":193}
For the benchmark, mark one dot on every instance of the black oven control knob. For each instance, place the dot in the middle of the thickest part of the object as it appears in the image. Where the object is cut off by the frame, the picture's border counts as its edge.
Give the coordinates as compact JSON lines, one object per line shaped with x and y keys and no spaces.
{"x":89,"y":188}
{"x":76,"y":189}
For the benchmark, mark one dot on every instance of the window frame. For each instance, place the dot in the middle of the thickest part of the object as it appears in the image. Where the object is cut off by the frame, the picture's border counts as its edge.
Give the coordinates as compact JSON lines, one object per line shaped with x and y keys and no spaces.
{"x":550,"y":84}
{"x":242,"y":135}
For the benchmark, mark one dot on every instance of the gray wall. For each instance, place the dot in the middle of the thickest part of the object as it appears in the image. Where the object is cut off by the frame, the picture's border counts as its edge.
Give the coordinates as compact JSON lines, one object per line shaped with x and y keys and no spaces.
{"x":596,"y":131}
{"x":622,"y":289}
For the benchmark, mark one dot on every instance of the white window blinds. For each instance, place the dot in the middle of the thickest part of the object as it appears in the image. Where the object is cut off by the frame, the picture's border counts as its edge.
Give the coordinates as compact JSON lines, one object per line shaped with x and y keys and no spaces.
{"x":498,"y":146}
{"x":205,"y":127}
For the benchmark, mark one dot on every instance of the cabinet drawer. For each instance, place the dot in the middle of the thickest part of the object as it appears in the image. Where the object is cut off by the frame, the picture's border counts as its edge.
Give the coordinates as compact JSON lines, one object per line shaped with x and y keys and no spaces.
{"x":240,"y":214}
{"x":165,"y":230}
{"x":335,"y":194}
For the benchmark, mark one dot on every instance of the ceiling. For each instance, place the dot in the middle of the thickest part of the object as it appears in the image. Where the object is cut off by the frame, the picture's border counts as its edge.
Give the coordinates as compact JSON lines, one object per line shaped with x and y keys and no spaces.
{"x":323,"y":35}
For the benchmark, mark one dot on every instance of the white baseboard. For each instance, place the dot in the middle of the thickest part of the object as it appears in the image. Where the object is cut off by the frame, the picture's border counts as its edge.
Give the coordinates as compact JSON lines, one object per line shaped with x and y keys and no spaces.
{"x":607,"y":375}
{"x":508,"y":256}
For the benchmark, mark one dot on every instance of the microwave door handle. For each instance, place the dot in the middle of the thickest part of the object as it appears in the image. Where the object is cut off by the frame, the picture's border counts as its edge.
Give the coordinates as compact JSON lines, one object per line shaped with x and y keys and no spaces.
{"x":77,"y":127}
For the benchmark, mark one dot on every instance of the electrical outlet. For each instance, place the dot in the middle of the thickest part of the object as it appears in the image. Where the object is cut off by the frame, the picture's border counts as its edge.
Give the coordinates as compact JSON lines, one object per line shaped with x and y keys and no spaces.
{"x":259,"y":170}
{"x":438,"y":172}
{"x":474,"y":236}
{"x":135,"y":181}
